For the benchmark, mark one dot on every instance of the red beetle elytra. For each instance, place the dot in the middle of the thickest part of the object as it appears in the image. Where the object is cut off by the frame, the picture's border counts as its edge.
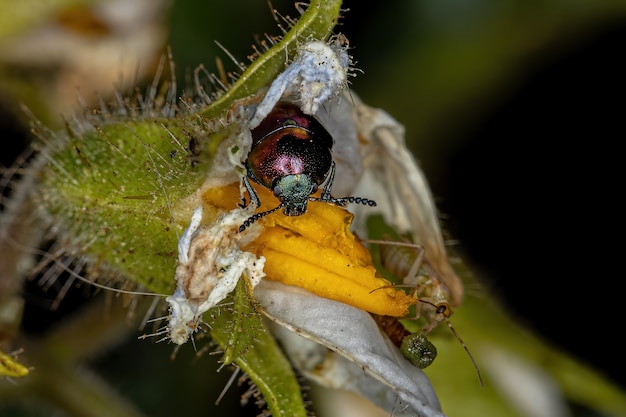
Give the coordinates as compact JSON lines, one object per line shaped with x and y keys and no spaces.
{"x":292,"y":156}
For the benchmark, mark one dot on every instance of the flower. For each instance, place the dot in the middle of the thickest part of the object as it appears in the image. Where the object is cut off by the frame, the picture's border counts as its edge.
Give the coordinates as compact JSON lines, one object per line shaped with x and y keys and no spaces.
{"x":318,"y":252}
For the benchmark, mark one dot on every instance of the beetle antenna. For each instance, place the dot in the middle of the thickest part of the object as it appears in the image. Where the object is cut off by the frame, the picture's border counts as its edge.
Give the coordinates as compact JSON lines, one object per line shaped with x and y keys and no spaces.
{"x":257,"y":216}
{"x":345,"y":200}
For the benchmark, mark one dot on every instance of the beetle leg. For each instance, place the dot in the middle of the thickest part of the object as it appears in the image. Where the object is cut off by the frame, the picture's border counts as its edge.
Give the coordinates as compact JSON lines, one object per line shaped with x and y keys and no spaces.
{"x":329,"y":183}
{"x":254,"y":198}
{"x":343,"y":201}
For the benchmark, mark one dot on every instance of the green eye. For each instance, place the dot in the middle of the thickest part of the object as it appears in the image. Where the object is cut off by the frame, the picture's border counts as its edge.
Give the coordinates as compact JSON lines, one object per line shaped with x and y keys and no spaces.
{"x":419,"y":350}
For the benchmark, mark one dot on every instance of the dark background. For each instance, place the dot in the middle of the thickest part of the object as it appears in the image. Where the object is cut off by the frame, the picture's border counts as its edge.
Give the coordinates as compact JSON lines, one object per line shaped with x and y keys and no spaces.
{"x":533,"y":189}
{"x":535,"y":197}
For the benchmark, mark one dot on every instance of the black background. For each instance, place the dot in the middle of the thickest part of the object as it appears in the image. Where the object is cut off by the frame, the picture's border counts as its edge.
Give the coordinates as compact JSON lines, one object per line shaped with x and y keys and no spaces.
{"x":535,"y":193}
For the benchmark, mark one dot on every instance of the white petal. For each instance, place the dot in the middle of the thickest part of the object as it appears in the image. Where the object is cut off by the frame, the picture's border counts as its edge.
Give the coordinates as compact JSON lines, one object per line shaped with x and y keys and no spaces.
{"x":394,"y":179}
{"x":363,"y":360}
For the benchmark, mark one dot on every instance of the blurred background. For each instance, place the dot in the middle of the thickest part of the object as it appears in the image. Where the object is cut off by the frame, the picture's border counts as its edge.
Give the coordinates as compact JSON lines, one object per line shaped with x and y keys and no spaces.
{"x":514,"y":108}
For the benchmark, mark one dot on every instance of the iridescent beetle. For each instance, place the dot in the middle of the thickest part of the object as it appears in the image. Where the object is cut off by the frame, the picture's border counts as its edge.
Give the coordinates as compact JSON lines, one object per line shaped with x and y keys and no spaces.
{"x":292,"y":156}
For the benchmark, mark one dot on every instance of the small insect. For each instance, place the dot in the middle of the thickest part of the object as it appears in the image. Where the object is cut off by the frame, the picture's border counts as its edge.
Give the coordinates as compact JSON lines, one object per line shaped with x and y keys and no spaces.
{"x":291,"y":155}
{"x":414,"y":346}
{"x":408,"y":260}
{"x":406,"y":201}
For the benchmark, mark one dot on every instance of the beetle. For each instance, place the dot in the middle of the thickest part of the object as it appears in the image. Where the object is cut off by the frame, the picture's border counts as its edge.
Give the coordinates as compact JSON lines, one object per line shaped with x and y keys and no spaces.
{"x":291,"y":155}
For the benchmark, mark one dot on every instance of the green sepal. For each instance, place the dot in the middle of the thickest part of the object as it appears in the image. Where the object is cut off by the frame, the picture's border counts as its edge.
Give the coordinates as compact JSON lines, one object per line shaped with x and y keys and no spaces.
{"x":111,"y":192}
{"x":246,"y":341}
{"x":317,"y":22}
